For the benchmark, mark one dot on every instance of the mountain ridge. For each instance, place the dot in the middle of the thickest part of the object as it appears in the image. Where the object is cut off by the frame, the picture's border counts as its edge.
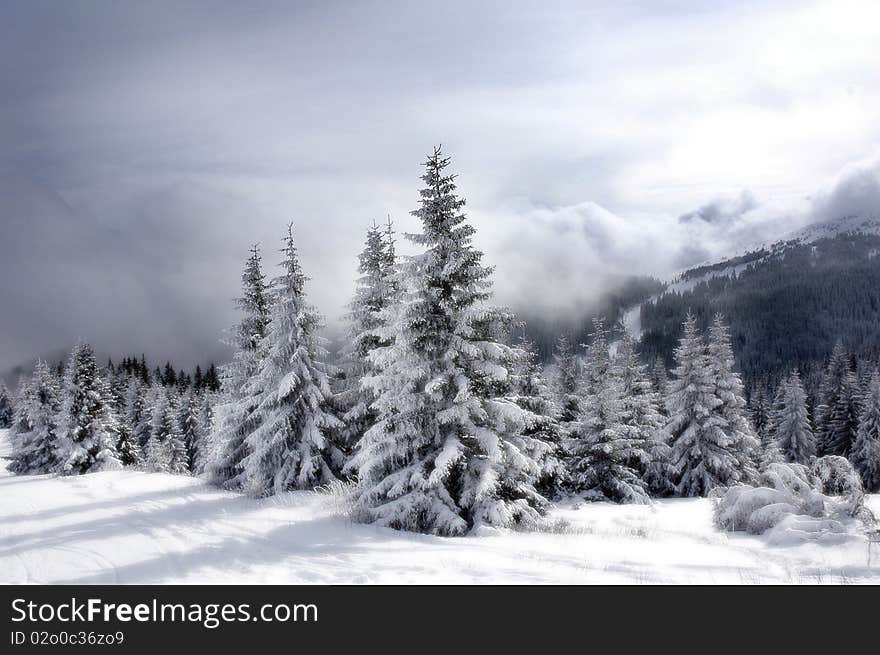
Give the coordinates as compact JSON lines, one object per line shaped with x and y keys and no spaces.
{"x":786,"y":303}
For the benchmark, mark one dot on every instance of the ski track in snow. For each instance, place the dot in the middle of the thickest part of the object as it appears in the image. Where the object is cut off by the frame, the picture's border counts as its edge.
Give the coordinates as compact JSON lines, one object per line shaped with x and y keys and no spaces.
{"x":132,"y":527}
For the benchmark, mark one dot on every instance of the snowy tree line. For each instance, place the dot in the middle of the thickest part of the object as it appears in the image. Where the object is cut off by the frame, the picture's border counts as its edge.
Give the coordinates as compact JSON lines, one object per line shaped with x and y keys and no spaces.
{"x":844,"y":420}
{"x":437,"y":410}
{"x":78,"y":417}
{"x":437,"y":407}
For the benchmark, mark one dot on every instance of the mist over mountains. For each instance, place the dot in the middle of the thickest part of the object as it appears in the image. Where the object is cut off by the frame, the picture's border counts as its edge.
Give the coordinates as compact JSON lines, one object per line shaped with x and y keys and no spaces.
{"x":154,"y":274}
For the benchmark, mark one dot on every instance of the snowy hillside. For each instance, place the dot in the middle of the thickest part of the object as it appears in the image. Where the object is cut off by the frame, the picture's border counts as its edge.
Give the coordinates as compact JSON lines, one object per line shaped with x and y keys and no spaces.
{"x":129,"y":527}
{"x":827,"y":230}
{"x":737,"y":263}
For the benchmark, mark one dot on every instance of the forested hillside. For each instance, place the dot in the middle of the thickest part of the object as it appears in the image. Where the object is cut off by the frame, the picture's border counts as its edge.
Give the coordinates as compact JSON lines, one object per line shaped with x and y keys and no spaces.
{"x":786,"y":308}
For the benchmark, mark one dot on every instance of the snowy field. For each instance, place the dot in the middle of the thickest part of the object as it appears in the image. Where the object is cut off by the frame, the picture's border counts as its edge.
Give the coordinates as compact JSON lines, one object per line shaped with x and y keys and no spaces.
{"x":129,"y":527}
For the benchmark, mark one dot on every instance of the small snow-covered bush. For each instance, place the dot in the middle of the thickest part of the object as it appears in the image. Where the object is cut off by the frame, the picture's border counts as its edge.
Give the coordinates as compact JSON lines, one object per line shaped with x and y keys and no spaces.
{"x":796,"y":498}
{"x":836,"y":476}
{"x":784,"y":489}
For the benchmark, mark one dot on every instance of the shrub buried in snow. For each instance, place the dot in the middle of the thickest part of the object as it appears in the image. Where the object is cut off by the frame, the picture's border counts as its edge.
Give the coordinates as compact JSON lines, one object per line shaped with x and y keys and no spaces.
{"x":793,"y":502}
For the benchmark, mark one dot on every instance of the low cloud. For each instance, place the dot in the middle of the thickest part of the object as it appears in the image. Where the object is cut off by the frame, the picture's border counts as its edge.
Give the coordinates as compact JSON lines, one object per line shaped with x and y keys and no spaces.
{"x":561,"y":260}
{"x":722,"y":210}
{"x":855,"y":192}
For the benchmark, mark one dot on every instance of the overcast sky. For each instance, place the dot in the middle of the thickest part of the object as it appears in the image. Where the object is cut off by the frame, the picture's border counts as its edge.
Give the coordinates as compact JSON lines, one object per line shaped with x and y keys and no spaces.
{"x":144,"y":146}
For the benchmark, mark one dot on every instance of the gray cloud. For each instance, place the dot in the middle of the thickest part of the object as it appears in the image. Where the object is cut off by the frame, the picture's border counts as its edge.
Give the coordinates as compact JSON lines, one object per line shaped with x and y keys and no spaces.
{"x":722,"y":210}
{"x":144,"y":146}
{"x":855,"y":192}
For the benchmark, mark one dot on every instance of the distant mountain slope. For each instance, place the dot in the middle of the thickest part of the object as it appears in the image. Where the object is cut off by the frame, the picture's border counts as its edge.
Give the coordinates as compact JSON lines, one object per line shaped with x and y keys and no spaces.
{"x":845,"y":225}
{"x":787,"y":303}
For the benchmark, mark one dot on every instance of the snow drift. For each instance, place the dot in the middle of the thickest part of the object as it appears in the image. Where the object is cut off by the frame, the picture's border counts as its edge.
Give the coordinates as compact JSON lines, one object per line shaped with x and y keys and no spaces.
{"x":793,"y":503}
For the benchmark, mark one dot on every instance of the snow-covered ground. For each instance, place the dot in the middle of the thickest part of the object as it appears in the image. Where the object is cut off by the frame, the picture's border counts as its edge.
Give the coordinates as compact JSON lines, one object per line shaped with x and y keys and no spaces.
{"x":129,"y":527}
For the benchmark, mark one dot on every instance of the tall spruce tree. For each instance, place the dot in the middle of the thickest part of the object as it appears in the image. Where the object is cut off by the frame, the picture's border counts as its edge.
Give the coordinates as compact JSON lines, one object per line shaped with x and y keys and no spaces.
{"x":20,"y":425}
{"x":700,"y":454}
{"x":236,"y":410}
{"x":642,"y":416}
{"x":759,"y":410}
{"x":138,"y":414}
{"x":118,"y":379}
{"x":127,"y":449}
{"x":291,"y":447}
{"x":837,"y":415}
{"x":205,"y":444}
{"x":39,"y":406}
{"x":793,"y":434}
{"x":448,"y":451}
{"x":189,"y":420}
{"x":6,"y":407}
{"x":659,"y":379}
{"x":374,"y":293}
{"x":117,"y":384}
{"x":531,"y":392}
{"x":743,"y":443}
{"x":865,"y":453}
{"x":88,"y":440}
{"x":212,"y":379}
{"x":773,"y":412}
{"x":607,"y":454}
{"x":166,"y":450}
{"x":566,"y":380}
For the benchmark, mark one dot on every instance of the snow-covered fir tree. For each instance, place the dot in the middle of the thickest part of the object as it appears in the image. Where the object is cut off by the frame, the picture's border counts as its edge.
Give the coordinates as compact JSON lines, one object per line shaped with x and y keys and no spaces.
{"x":138,"y":414}
{"x":793,"y":434}
{"x":773,"y":412}
{"x":608,"y":455}
{"x":205,"y":445}
{"x":837,"y":415}
{"x":127,"y":449}
{"x":864,"y":373}
{"x":292,"y":445}
{"x":88,"y":433}
{"x":659,"y":379}
{"x":189,"y":420}
{"x":865,"y":453}
{"x":448,"y":451}
{"x":703,"y":454}
{"x":375,"y":291}
{"x":743,"y":443}
{"x":6,"y":407}
{"x":38,"y":407}
{"x":117,"y":385}
{"x":759,"y":411}
{"x":641,"y":414}
{"x":18,"y":423}
{"x":166,"y":451}
{"x":530,"y":391}
{"x":236,"y":410}
{"x":566,"y":380}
